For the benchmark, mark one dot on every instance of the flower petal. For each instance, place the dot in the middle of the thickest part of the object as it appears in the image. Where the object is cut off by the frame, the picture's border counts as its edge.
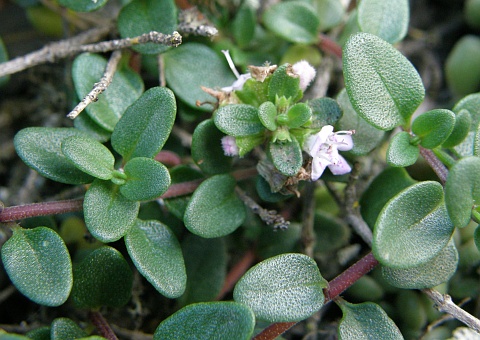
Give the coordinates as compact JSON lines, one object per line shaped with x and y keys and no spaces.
{"x":340,"y":167}
{"x":343,"y":142}
{"x":313,"y":143}
{"x":318,"y":167}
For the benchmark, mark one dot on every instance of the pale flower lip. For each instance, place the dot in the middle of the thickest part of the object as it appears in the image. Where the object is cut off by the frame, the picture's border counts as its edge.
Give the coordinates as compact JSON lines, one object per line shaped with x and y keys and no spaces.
{"x":324,"y":147}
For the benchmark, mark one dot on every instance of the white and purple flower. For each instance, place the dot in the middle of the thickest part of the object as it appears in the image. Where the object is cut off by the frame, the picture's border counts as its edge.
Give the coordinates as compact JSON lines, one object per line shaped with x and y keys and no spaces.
{"x":229,"y":146}
{"x":324,"y":147}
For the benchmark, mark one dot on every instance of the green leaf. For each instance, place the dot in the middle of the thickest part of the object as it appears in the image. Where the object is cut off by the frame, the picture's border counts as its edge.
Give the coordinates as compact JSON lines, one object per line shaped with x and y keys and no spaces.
{"x":38,"y":263}
{"x":40,"y":148}
{"x":471,"y":103}
{"x":476,"y":237}
{"x":413,"y":227}
{"x":40,"y":333}
{"x":3,"y":58}
{"x":366,"y":136}
{"x":283,"y":288}
{"x":273,"y":242}
{"x":383,"y":86}
{"x":462,"y":68}
{"x":385,"y":186}
{"x":430,"y":274}
{"x":206,"y":264}
{"x":214,"y":209}
{"x":286,"y":156}
{"x":86,"y":124}
{"x":434,"y":127}
{"x":243,"y":25}
{"x":207,"y":149}
{"x":329,"y":12}
{"x":102,"y":278}
{"x":325,"y":111}
{"x":254,"y":92}
{"x":89,"y":156}
{"x":267,"y":113}
{"x":147,"y":179}
{"x":108,"y":214}
{"x":238,"y":120}
{"x":213,"y":320}
{"x":284,"y":83}
{"x":366,"y":321}
{"x":143,"y":16}
{"x":460,"y":130}
{"x":146,"y":125}
{"x":462,"y":190}
{"x":388,"y":19}
{"x":294,"y":21}
{"x":125,"y":88}
{"x":247,"y":143}
{"x":83,"y":5}
{"x":157,"y":255}
{"x":298,"y":115}
{"x":64,"y":328}
{"x":192,"y":65}
{"x":400,"y":152}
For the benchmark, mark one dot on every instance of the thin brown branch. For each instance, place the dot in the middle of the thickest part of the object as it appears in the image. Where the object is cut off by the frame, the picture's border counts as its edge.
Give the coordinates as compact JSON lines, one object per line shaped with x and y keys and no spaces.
{"x":308,"y":220}
{"x":444,"y":303}
{"x":102,"y":325}
{"x":99,"y":87}
{"x":440,"y":169}
{"x":40,"y":209}
{"x":71,"y":47}
{"x":236,"y":273}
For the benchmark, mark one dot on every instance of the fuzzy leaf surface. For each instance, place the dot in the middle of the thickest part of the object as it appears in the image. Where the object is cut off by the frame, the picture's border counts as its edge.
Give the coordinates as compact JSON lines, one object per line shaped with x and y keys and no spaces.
{"x":108,"y":214}
{"x":388,"y":19}
{"x":156,"y":253}
{"x":238,"y":120}
{"x":366,"y":321}
{"x":400,"y":152}
{"x":64,"y":328}
{"x":212,"y":320}
{"x":214,"y":209}
{"x":89,"y":156}
{"x":38,"y":263}
{"x":146,"y":125}
{"x":41,"y":149}
{"x":383,"y":86}
{"x":283,"y":288}
{"x":102,"y":278}
{"x":147,"y":179}
{"x":462,"y":190}
{"x":286,"y":156}
{"x":434,"y":127}
{"x":413,"y":227}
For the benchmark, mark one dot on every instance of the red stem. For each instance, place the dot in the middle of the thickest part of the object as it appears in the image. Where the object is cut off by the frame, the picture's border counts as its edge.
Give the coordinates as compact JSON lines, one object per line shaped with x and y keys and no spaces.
{"x":335,"y":287}
{"x":328,"y":45}
{"x":102,"y":325}
{"x":438,"y":167}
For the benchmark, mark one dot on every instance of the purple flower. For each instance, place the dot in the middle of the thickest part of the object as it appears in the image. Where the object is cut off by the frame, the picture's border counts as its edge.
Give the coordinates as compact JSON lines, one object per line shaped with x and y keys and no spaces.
{"x":229,"y":146}
{"x":324,"y":147}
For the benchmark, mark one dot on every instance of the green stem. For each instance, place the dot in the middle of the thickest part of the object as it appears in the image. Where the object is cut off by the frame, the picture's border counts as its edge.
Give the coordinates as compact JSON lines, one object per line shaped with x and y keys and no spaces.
{"x":444,"y":157}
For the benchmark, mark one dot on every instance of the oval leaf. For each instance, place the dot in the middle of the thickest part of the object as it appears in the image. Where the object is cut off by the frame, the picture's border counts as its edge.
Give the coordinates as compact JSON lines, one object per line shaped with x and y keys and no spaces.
{"x":83,"y":5}
{"x":192,"y":65}
{"x":325,"y":111}
{"x":287,"y":156}
{"x":125,"y":88}
{"x":89,"y":156}
{"x":434,"y":127}
{"x":383,"y":86}
{"x":108,"y":214}
{"x":156,"y":253}
{"x":213,"y":320}
{"x":214,"y":209}
{"x":143,"y":16}
{"x":400,"y":152}
{"x":267,"y":113}
{"x":146,"y":124}
{"x":64,"y":328}
{"x":283,"y":288}
{"x":41,"y":149}
{"x":284,"y":83}
{"x":387,"y":19}
{"x":102,"y":278}
{"x":463,"y":121}
{"x":298,"y":115}
{"x":430,"y":274}
{"x":366,"y":136}
{"x":38,"y":263}
{"x":294,"y":21}
{"x":366,"y":321}
{"x":413,"y":227}
{"x":207,"y":149}
{"x":147,"y":179}
{"x":462,"y":190}
{"x":238,"y":120}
